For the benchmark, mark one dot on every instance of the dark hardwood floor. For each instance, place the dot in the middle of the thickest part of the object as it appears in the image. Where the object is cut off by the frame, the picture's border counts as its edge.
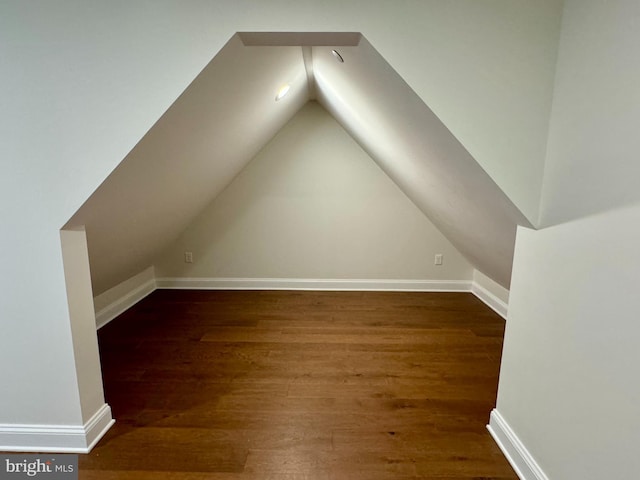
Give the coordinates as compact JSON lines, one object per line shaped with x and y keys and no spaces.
{"x":300,"y":385}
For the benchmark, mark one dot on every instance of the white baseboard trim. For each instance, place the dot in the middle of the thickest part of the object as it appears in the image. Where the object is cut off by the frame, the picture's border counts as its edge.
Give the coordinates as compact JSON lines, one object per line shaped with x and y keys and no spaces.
{"x":115,"y":308}
{"x":98,"y":425}
{"x":130,"y":298}
{"x":489,"y":299}
{"x":516,"y":453}
{"x":56,"y":438}
{"x":311,"y":284}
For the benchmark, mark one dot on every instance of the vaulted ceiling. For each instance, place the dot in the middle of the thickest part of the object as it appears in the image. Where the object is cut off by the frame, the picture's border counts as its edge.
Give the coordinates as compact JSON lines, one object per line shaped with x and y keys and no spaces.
{"x":229,"y":113}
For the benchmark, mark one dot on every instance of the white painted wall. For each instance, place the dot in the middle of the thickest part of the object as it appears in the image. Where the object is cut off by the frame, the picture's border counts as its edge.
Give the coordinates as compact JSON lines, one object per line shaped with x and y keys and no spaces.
{"x":592,"y":163}
{"x":83,"y":81}
{"x":313,"y":205}
{"x":569,"y":381}
{"x":38,"y":368}
{"x":81,"y":313}
{"x":568,"y":384}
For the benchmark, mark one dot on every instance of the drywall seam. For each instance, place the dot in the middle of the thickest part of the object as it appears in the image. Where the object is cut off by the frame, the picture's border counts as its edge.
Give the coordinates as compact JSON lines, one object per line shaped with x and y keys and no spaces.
{"x":56,"y":438}
{"x":314,"y":284}
{"x":514,"y":450}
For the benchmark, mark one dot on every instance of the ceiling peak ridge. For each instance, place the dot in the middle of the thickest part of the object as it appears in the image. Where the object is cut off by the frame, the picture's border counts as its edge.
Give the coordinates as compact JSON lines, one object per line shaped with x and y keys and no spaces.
{"x":307,"y":58}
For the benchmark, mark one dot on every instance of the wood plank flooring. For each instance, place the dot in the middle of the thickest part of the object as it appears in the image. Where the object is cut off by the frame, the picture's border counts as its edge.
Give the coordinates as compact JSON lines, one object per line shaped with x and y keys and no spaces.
{"x":300,"y":385}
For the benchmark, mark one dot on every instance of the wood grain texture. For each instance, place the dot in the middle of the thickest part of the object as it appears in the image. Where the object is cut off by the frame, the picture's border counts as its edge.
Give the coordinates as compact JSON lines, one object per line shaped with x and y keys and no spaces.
{"x":301,"y":385}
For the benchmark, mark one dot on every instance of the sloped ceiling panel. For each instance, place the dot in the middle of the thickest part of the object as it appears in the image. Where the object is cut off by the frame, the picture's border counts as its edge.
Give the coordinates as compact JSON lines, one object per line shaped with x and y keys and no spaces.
{"x":420,"y":154}
{"x":195,"y":149}
{"x":229,"y":113}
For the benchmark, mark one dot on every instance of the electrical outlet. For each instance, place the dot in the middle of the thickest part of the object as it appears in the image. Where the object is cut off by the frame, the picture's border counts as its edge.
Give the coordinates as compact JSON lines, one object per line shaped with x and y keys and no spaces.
{"x":188,"y":257}
{"x":438,"y":259}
